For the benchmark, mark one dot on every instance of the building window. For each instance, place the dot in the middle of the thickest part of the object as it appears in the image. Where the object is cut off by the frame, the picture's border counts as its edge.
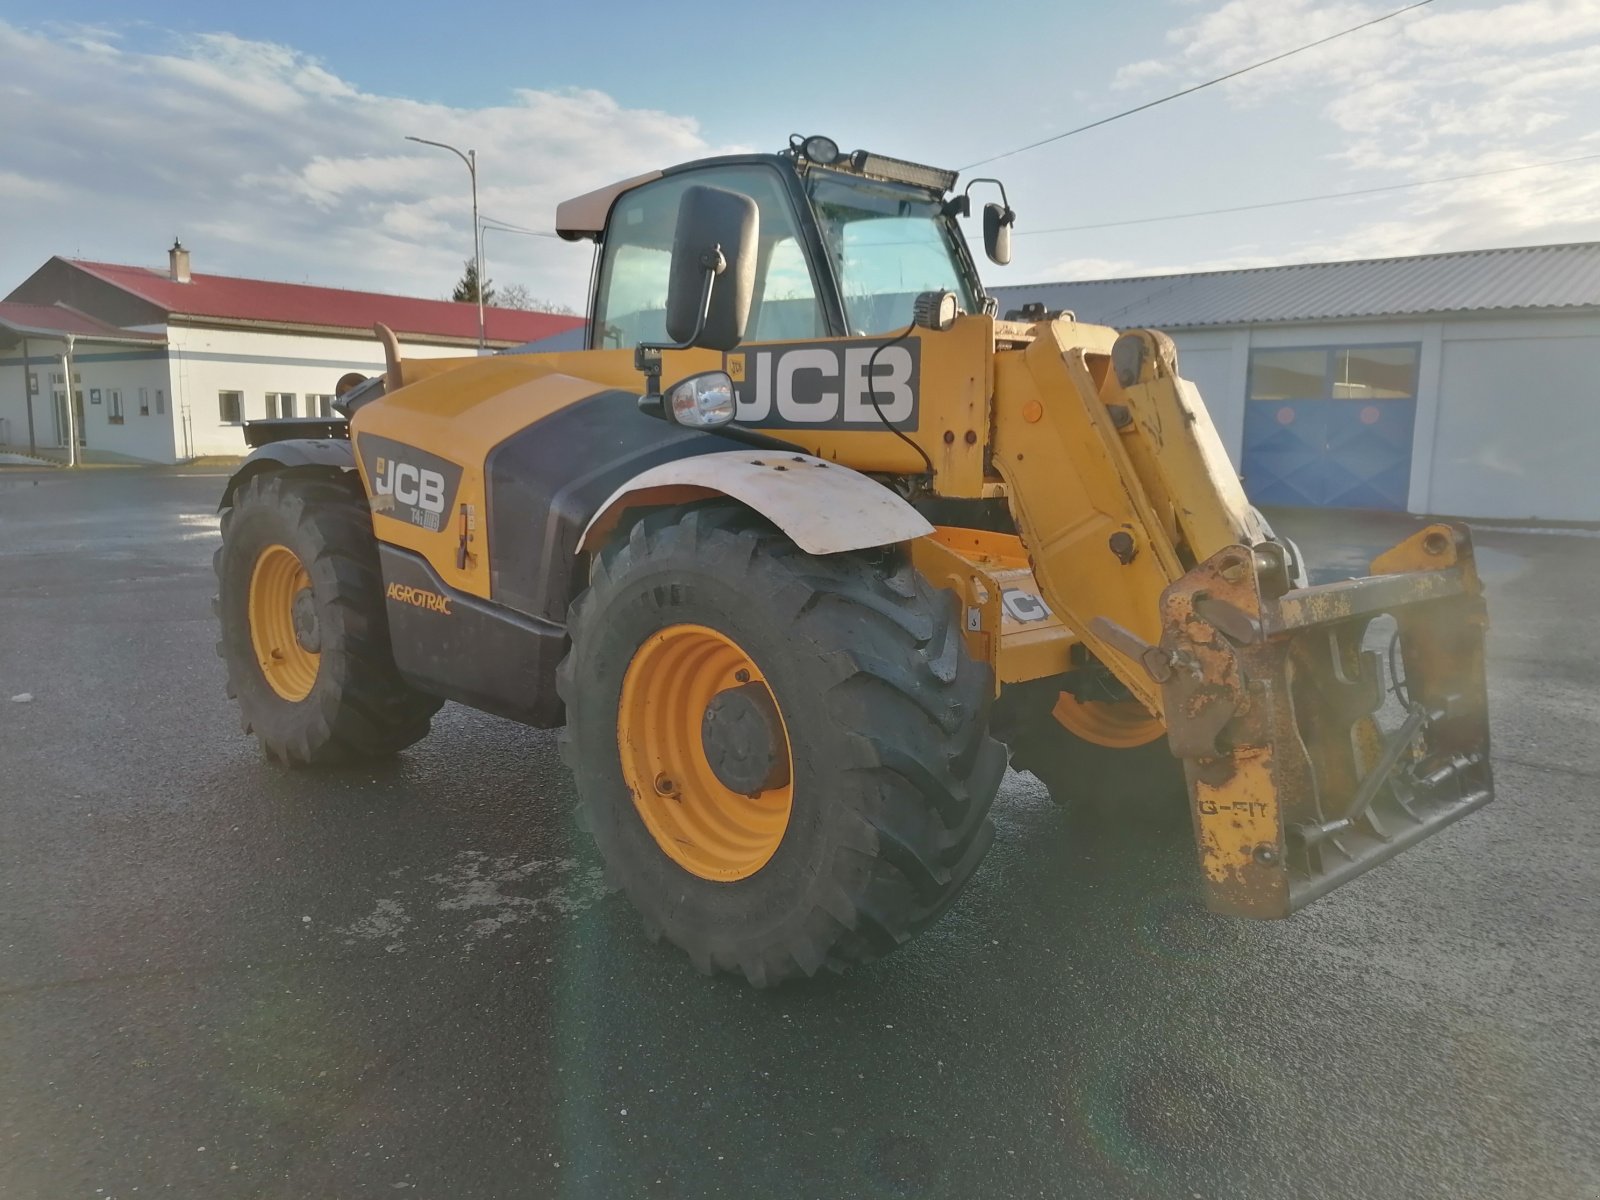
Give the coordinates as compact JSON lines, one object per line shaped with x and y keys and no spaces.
{"x":280,"y":404}
{"x":1375,"y":373}
{"x":144,"y":402}
{"x":1288,"y":374}
{"x":319,"y":406}
{"x":161,"y":402}
{"x":231,"y":406}
{"x":1364,"y":373}
{"x":114,"y":405}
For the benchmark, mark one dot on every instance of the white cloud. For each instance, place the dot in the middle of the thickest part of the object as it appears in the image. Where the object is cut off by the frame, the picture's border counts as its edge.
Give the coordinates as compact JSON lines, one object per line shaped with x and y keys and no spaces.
{"x":25,"y":188}
{"x":268,"y":164}
{"x":1444,"y":90}
{"x":1090,"y":268}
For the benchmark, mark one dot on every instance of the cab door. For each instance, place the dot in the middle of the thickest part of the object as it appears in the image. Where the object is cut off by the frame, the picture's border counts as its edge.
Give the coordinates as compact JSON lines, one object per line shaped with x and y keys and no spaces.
{"x":630,"y":298}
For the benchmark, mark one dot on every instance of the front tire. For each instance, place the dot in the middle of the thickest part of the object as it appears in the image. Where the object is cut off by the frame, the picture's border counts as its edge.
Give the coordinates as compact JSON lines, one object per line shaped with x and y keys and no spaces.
{"x":305,"y":634}
{"x":853,"y":805}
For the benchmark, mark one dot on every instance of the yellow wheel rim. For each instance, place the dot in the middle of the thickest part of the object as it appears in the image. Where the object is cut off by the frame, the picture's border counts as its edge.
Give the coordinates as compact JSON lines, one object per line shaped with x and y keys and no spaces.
{"x":1122,"y":725}
{"x":276,"y":581}
{"x":702,"y":825}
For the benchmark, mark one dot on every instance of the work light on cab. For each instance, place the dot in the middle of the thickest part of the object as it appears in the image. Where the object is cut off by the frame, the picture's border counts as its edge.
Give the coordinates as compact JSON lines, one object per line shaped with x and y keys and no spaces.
{"x":823,"y":151}
{"x":702,"y":401}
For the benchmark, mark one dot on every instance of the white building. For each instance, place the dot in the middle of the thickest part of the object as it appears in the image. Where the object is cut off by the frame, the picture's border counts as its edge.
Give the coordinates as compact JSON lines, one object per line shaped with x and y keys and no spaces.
{"x":168,"y":364}
{"x":1461,"y":384}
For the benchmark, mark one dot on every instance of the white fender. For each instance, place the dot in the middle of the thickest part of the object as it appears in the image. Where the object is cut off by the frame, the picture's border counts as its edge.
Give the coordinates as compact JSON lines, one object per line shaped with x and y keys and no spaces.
{"x":823,"y":507}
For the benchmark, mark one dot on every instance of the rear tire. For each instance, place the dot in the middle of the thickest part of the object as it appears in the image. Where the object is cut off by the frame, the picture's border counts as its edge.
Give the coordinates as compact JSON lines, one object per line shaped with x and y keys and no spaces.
{"x":885,"y":724}
{"x":1111,"y":784}
{"x":305,"y":634}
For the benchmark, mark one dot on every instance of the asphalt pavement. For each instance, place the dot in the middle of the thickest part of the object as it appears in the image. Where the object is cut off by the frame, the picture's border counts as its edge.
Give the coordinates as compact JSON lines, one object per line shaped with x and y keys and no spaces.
{"x":219,"y":978}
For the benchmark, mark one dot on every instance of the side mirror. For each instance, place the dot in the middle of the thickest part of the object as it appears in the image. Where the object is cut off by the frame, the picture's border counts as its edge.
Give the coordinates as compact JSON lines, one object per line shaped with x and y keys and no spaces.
{"x":713,"y":274}
{"x":997,"y":222}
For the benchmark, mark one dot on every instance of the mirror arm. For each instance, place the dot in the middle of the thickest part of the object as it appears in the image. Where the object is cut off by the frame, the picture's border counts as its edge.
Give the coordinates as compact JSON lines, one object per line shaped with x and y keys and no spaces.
{"x":966,"y":195}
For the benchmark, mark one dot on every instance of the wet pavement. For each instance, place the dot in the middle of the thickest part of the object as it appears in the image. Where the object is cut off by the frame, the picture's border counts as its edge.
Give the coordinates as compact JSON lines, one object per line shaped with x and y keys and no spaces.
{"x":218,"y":978}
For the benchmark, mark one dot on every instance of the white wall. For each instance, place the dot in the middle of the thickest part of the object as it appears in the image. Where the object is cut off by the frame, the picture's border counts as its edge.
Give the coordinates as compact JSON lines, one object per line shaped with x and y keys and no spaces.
{"x":206,"y":362}
{"x":1508,"y":407}
{"x":102,"y":368}
{"x":1214,"y":361}
{"x":197,"y":365}
{"x":14,"y":396}
{"x":1518,"y":429}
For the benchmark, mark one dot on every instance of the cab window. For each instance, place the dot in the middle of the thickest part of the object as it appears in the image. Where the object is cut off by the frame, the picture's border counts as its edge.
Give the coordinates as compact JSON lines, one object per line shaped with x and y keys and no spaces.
{"x":631,"y":301}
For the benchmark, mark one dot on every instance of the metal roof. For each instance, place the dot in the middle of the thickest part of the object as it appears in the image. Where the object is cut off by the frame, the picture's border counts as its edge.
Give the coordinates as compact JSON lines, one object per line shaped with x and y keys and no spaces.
{"x":1522,"y":277}
{"x":58,"y":321}
{"x":266,"y":301}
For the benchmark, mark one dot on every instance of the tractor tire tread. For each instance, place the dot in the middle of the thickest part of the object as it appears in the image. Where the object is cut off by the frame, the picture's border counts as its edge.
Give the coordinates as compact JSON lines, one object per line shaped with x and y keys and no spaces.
{"x":360,"y":707}
{"x":915,"y":788}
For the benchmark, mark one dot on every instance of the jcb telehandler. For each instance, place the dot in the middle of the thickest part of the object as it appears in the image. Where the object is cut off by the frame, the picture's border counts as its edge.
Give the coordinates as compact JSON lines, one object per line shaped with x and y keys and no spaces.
{"x":796,"y":608}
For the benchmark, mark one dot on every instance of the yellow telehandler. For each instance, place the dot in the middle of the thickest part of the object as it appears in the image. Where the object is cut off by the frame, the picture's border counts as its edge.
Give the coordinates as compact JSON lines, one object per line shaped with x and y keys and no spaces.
{"x":797,"y":607}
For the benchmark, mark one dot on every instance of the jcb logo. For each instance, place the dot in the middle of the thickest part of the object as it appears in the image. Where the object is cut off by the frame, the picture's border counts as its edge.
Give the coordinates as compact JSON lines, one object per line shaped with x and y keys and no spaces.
{"x":1023,"y":606}
{"x":828,"y":385}
{"x":408,"y":484}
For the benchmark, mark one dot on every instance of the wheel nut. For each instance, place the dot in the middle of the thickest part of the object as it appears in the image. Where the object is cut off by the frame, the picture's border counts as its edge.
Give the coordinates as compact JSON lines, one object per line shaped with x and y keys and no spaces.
{"x":664,"y":785}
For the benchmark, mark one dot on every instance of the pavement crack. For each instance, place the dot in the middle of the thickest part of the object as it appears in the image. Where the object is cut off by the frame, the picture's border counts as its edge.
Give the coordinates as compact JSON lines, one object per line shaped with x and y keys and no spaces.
{"x":1552,"y":768}
{"x":188,"y":974}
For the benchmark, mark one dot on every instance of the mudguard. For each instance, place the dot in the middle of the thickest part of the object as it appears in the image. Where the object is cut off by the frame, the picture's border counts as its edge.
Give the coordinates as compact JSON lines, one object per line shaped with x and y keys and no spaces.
{"x":334,"y":454}
{"x":823,"y":507}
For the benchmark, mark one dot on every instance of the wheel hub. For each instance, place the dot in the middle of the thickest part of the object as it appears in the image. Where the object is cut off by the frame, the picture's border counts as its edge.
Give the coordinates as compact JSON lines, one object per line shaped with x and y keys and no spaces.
{"x":743,"y":740}
{"x":307,"y":629}
{"x":705,"y":752}
{"x":1121,"y":725}
{"x":284,"y":631}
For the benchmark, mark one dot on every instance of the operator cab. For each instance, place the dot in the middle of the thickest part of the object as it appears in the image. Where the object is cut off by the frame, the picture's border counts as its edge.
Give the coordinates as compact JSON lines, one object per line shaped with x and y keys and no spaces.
{"x":844,"y":244}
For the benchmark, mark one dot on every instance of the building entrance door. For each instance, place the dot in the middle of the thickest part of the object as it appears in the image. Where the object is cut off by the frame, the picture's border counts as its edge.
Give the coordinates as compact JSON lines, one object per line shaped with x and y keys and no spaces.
{"x":60,"y":395}
{"x":1330,"y":426}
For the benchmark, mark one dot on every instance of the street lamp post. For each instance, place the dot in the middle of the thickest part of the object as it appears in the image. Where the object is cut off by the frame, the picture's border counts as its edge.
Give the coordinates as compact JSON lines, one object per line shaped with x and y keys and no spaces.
{"x":470,"y":157}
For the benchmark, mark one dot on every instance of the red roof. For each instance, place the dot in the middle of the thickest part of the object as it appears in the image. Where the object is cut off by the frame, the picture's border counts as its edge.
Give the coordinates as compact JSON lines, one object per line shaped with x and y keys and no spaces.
{"x":47,"y":319}
{"x":232,"y":298}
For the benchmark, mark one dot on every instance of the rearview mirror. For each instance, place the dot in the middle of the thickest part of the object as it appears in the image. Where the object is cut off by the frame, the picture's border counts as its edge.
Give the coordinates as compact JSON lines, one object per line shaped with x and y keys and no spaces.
{"x":713,"y":272}
{"x":997,"y":222}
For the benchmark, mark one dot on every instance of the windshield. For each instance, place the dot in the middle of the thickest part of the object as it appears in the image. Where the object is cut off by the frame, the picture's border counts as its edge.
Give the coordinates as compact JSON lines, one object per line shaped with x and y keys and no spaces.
{"x":887,"y":242}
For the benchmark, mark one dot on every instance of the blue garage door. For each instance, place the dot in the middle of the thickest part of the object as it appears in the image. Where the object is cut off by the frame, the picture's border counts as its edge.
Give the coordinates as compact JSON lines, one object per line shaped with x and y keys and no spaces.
{"x":1330,"y":426}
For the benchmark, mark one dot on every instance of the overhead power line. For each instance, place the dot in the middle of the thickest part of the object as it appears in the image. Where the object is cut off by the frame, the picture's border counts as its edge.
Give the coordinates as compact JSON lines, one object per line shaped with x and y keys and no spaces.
{"x":1391,"y":187}
{"x":1189,"y":91}
{"x":496,"y":223}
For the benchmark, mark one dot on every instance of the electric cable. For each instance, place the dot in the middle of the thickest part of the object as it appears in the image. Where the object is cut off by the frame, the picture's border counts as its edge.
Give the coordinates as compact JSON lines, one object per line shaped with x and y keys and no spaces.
{"x":872,"y":395}
{"x":1372,"y":191}
{"x":1189,"y":91}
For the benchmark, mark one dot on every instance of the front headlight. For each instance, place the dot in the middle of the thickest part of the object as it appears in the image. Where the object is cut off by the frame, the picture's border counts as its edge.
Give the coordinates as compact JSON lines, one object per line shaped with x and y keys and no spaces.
{"x":702,"y":401}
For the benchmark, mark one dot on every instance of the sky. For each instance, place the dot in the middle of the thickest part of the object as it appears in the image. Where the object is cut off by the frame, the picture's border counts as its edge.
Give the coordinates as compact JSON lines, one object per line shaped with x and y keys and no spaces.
{"x":270,"y":138}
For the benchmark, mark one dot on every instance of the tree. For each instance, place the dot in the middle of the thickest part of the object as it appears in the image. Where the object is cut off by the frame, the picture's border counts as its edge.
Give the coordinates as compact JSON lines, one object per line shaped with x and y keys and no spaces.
{"x":516,"y":295}
{"x":467,"y":287}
